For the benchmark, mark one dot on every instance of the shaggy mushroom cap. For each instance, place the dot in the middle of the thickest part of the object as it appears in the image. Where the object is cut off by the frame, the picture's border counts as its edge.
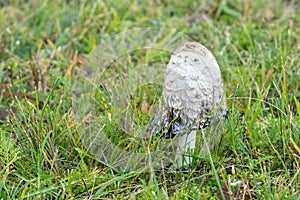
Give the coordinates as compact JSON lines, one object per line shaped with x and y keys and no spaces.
{"x":193,"y":95}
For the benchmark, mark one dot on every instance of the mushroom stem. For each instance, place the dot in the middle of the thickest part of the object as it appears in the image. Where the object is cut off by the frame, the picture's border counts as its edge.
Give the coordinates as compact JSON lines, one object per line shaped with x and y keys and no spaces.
{"x":185,"y":150}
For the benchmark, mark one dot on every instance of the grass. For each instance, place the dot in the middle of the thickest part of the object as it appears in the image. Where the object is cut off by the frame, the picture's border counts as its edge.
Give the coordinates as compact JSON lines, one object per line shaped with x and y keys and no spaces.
{"x":42,"y":45}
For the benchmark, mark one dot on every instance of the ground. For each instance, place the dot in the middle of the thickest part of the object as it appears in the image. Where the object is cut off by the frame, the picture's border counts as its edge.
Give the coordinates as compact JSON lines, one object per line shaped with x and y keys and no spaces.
{"x":43,"y":44}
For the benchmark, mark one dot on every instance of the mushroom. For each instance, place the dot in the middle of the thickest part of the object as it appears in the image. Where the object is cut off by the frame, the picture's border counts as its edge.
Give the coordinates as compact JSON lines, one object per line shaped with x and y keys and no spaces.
{"x":193,"y":98}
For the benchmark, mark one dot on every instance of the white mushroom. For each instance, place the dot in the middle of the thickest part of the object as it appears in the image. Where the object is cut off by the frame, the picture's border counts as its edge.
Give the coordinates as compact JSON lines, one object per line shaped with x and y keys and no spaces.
{"x":193,"y":98}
